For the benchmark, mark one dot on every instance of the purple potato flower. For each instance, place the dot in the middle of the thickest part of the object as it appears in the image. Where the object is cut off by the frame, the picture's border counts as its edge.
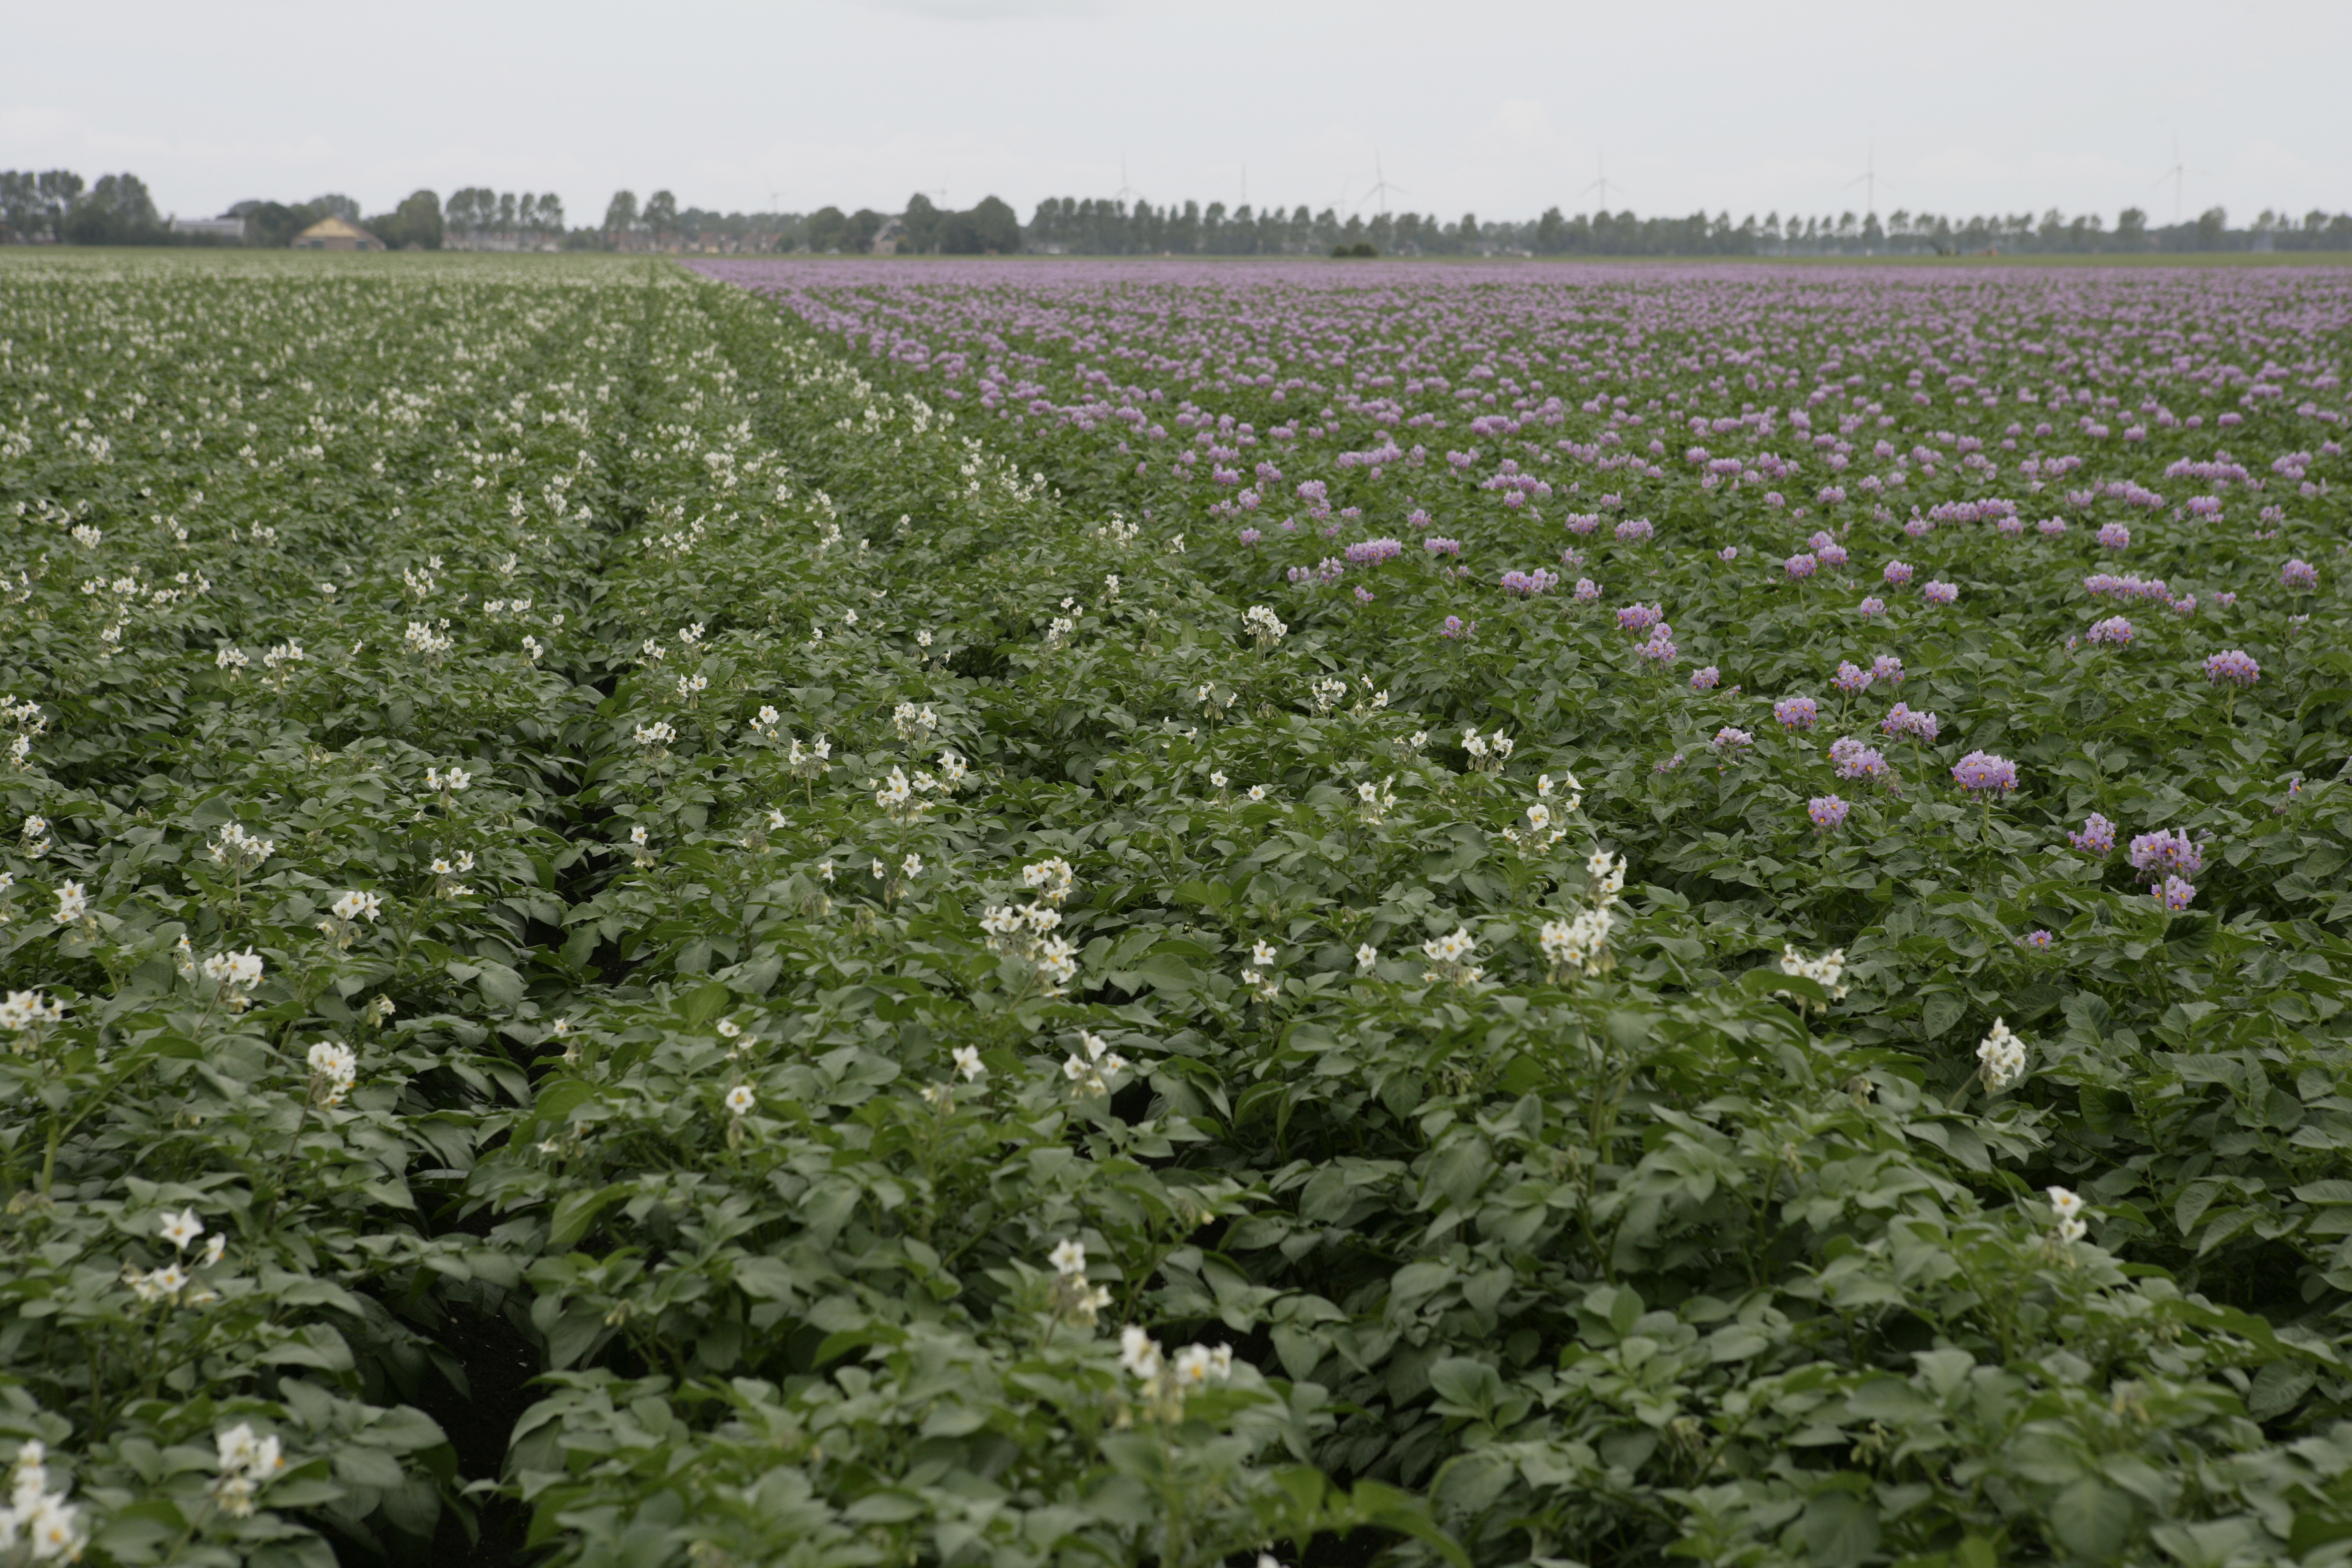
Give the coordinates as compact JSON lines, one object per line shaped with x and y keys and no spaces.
{"x":2167,"y":850}
{"x":1983,"y":774}
{"x":1854,"y":760}
{"x":2232,"y":667}
{"x":2097,"y":837}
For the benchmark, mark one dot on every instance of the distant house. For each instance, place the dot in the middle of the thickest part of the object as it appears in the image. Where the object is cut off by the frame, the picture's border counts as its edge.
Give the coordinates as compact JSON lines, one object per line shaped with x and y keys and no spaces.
{"x":886,"y":238}
{"x":218,"y":228}
{"x":334,"y":234}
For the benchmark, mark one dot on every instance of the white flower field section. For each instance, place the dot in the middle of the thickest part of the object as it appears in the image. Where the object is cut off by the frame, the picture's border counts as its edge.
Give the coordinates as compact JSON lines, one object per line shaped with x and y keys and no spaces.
{"x":1053,"y":914}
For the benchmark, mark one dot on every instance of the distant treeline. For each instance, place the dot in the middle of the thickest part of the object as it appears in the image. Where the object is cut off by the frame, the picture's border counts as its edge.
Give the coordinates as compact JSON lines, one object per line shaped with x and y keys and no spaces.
{"x":57,"y":208}
{"x":1081,"y":227}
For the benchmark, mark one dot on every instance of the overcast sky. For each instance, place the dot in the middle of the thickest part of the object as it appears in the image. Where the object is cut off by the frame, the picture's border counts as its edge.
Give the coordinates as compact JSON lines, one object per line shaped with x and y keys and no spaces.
{"x":1492,"y":106}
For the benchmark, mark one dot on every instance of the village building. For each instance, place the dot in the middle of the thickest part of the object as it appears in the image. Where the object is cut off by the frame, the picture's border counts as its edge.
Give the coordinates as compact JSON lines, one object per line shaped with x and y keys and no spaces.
{"x":334,"y":234}
{"x":230,"y":229}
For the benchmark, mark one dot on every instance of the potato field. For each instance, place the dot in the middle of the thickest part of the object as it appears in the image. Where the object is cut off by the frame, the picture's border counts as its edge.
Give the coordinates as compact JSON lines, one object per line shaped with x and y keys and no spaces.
{"x":1028,"y":913}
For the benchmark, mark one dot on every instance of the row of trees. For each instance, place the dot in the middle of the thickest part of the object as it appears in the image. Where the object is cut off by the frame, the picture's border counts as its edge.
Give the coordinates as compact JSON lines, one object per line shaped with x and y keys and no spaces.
{"x":56,"y":206}
{"x":1074,"y":226}
{"x":478,"y":218}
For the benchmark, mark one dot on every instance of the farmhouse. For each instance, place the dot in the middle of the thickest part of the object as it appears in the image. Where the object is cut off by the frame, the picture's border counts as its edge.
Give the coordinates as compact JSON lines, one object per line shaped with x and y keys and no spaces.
{"x":334,"y":234}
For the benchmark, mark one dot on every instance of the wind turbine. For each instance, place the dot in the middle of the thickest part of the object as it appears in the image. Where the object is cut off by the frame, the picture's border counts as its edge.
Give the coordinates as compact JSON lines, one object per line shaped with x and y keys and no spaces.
{"x":1868,"y":180}
{"x":1381,"y":186}
{"x":2178,"y":174}
{"x":1603,"y":182}
{"x":1125,"y":190}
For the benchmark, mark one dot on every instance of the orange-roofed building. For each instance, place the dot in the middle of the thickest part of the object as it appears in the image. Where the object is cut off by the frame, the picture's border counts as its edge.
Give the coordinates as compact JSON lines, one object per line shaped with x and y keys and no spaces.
{"x":334,"y":234}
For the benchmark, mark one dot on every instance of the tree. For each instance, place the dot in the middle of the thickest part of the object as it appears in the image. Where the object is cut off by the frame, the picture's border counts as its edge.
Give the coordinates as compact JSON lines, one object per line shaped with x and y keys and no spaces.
{"x":919,"y":227}
{"x":117,"y":211}
{"x":332,"y":205}
{"x":21,"y":210}
{"x":415,"y":225}
{"x":991,"y":228}
{"x":551,"y":212}
{"x":1551,"y":233}
{"x":2211,"y":225}
{"x":2131,"y":229}
{"x":620,"y":219}
{"x":660,"y":216}
{"x":59,"y":189}
{"x":507,"y":215}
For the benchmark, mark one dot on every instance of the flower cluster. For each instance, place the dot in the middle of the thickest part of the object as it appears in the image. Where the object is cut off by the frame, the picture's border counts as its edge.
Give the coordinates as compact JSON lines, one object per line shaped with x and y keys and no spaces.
{"x":234,"y":977}
{"x":49,"y":1526}
{"x":247,"y":1462}
{"x":1075,"y":1297}
{"x":2097,"y":837}
{"x":1487,"y":755}
{"x":810,"y":763}
{"x":342,"y":921}
{"x":1164,"y":1384}
{"x":175,"y":1281}
{"x":914,"y":725}
{"x":236,"y":851}
{"x":2000,"y":1057}
{"x":1797,"y":712}
{"x":1028,"y":933}
{"x":2232,"y":667}
{"x":1854,"y":760}
{"x":27,"y":1015}
{"x":2067,"y":1210}
{"x":1263,"y":627}
{"x":1904,"y":719}
{"x":2115,"y":629}
{"x":1449,"y":957}
{"x":1093,"y":1065}
{"x":1578,"y":944}
{"x":1828,"y":813}
{"x":1983,"y":774}
{"x":1827,"y":971}
{"x":334,"y":1068}
{"x":2167,"y":849}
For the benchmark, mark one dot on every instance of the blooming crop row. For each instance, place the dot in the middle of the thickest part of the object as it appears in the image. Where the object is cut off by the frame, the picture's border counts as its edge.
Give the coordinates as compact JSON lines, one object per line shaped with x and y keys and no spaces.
{"x":946,"y":1003}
